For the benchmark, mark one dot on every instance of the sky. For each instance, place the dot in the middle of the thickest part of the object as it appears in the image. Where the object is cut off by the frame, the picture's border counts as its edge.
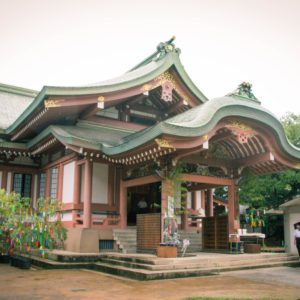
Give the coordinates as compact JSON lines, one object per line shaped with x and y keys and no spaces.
{"x":223,"y":43}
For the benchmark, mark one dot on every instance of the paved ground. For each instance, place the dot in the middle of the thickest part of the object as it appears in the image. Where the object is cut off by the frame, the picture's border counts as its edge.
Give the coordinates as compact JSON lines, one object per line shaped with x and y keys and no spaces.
{"x":275,"y":283}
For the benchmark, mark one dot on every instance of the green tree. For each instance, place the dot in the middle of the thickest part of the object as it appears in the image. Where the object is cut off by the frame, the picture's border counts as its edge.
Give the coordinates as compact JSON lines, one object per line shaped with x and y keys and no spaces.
{"x":291,"y":124}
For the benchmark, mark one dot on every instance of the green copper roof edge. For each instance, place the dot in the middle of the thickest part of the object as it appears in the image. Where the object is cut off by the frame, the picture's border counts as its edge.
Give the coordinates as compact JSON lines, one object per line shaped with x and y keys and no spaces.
{"x":259,"y":115}
{"x":32,"y":106}
{"x":17,"y":90}
{"x":90,"y":124}
{"x":170,"y":59}
{"x":5,"y":144}
{"x":244,"y":98}
{"x":186,"y":78}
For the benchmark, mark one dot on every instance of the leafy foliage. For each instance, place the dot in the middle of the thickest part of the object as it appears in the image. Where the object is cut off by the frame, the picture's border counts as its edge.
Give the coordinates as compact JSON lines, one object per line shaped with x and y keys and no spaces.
{"x":30,"y":228}
{"x":291,"y":124}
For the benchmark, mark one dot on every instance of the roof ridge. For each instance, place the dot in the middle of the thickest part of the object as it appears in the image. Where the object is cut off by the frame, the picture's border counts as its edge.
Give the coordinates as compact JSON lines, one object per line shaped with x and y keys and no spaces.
{"x":17,"y":90}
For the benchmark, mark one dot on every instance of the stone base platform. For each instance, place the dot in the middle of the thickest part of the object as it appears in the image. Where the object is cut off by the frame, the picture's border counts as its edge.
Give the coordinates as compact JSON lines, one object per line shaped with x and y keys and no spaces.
{"x":151,"y":267}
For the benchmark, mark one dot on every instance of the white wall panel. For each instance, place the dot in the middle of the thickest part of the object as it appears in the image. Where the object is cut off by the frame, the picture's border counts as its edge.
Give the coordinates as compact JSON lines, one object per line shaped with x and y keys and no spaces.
{"x":68,"y":183}
{"x":100,"y":183}
{"x":9,"y":179}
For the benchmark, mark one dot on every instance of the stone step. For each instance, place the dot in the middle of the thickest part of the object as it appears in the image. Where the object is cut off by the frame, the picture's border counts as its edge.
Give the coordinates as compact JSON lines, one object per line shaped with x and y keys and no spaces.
{"x":138,"y":265}
{"x":142,"y":274}
{"x":153,"y":260}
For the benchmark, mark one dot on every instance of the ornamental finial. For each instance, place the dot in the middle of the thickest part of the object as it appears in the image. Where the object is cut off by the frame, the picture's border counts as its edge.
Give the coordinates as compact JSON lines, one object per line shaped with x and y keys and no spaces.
{"x":168,"y":46}
{"x":245,"y":90}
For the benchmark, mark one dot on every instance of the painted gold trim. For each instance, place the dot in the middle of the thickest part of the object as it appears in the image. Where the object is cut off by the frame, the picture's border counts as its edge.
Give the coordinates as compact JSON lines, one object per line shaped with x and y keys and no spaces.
{"x":53,"y":103}
{"x":238,"y":125}
{"x":163,"y":143}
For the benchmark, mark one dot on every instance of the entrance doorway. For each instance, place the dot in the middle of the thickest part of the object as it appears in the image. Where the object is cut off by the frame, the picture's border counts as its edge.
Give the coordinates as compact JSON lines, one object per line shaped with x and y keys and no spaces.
{"x":143,"y":199}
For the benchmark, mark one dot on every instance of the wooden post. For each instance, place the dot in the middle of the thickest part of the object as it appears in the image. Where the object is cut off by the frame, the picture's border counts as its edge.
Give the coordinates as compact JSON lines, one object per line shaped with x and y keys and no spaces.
{"x":166,"y":191}
{"x":184,"y":216}
{"x":203,"y":204}
{"x":4,"y":179}
{"x":232,"y":208}
{"x":76,"y":190}
{"x":123,"y":205}
{"x":209,"y":204}
{"x":194,"y":200}
{"x":87,"y":205}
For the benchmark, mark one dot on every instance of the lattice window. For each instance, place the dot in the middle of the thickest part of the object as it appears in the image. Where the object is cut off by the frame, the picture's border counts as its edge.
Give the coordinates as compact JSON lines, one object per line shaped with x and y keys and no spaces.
{"x":22,"y":184}
{"x":53,"y":183}
{"x":42,"y":186}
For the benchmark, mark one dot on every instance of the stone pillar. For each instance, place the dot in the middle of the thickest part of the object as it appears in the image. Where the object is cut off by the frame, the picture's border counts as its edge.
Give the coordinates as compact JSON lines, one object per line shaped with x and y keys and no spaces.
{"x":76,"y":190}
{"x":123,"y":205}
{"x":87,"y":198}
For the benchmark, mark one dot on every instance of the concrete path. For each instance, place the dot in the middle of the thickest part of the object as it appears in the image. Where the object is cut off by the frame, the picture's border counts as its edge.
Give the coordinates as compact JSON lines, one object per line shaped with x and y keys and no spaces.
{"x":84,"y":284}
{"x":281,"y":275}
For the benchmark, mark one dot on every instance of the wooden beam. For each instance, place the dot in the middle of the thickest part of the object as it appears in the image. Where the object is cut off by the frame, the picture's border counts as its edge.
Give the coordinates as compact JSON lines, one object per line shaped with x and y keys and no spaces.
{"x":145,"y":109}
{"x":213,"y":162}
{"x":207,"y":179}
{"x":140,"y":181}
{"x":252,"y":160}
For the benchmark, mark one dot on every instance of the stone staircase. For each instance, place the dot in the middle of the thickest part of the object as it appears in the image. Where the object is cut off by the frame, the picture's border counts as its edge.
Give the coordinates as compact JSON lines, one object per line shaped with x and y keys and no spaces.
{"x":194,"y":238}
{"x":126,"y":240}
{"x":149,"y":267}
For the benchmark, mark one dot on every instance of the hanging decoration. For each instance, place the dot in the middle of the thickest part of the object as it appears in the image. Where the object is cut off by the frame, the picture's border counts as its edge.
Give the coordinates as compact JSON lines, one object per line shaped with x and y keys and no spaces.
{"x":254,"y":217}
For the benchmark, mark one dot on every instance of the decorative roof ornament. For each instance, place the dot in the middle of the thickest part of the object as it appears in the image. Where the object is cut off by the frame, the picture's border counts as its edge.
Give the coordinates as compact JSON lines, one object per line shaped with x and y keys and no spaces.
{"x":161,"y":50}
{"x":245,"y":90}
{"x":165,"y":47}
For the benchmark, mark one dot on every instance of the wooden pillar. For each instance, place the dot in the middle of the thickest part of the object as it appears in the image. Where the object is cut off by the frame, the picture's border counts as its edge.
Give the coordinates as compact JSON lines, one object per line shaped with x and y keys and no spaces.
{"x":184,"y":216}
{"x":233,"y":216}
{"x":47,"y":183}
{"x":166,"y":191}
{"x":203,"y":204}
{"x":4,"y":179}
{"x":87,"y":198}
{"x":194,"y":200}
{"x":209,"y":203}
{"x":76,"y":191}
{"x":123,"y":205}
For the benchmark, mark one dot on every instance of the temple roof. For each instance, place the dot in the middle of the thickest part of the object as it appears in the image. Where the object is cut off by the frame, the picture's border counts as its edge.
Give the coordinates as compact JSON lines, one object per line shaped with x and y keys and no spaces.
{"x":14,"y":100}
{"x":195,"y":122}
{"x":166,"y":57}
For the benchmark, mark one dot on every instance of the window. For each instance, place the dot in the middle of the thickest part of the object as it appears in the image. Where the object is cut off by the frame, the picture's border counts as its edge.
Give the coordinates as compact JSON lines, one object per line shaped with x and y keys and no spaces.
{"x":22,"y":184}
{"x":42,"y":186}
{"x":53,"y":183}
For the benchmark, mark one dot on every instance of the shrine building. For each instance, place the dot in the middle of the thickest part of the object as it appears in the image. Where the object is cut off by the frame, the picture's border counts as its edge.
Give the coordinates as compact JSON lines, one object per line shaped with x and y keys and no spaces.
{"x":108,"y":150}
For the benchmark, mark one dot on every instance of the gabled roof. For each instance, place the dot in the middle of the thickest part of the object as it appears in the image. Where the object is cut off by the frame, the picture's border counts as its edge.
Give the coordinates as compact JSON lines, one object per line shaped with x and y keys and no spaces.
{"x":13,"y":100}
{"x":294,"y":202}
{"x":167,"y":56}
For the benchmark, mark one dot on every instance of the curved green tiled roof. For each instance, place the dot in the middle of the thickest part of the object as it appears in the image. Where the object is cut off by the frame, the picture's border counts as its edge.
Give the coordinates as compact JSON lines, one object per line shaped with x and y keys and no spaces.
{"x":202,"y":119}
{"x":195,"y":122}
{"x":146,"y":71}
